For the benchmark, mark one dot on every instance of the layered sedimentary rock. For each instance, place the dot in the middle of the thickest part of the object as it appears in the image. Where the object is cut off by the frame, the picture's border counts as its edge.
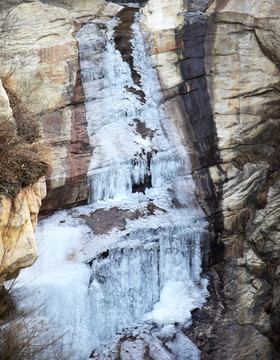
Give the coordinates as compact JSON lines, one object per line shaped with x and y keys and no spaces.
{"x":241,"y":61}
{"x":220,"y":76}
{"x":40,"y":55}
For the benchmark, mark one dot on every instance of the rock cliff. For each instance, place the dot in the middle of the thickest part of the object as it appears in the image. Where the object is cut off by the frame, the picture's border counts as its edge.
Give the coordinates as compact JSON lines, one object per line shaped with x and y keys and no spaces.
{"x":219,"y":69}
{"x":40,"y":55}
{"x":218,"y":64}
{"x":242,"y":71}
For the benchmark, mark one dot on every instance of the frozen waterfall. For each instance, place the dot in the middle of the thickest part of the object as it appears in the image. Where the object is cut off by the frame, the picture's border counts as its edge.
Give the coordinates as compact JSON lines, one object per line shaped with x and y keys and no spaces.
{"x":132,"y":257}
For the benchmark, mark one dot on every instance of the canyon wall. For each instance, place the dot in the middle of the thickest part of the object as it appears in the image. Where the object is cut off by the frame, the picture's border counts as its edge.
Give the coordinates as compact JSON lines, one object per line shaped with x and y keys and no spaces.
{"x":218,"y":64}
{"x":219,"y":70}
{"x":39,"y":58}
{"x":241,"y":65}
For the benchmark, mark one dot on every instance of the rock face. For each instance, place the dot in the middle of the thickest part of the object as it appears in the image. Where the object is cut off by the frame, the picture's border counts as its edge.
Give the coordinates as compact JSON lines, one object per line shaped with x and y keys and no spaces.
{"x":18,"y":215}
{"x":218,"y":63}
{"x":242,"y":64}
{"x":18,"y":220}
{"x":41,"y":58}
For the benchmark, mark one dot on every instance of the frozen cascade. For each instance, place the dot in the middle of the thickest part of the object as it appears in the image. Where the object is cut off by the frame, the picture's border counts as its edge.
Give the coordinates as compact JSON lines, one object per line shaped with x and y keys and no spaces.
{"x":133,"y":255}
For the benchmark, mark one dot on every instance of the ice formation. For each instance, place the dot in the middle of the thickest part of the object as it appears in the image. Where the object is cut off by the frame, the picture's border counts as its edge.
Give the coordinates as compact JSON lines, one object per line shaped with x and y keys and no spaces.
{"x":93,"y":283}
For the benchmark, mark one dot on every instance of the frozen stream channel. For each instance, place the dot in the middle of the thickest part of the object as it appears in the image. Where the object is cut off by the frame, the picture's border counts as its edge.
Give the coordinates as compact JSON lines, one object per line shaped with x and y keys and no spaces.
{"x":131,"y":258}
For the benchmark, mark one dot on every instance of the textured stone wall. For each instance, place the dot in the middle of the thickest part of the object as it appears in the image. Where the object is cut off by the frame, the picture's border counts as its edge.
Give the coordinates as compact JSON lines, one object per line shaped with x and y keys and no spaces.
{"x":243,"y":77}
{"x":219,"y":71}
{"x":40,"y":54}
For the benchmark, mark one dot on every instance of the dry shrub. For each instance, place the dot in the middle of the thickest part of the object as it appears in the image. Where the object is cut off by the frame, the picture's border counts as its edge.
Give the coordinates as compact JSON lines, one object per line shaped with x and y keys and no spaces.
{"x":21,"y":164}
{"x":22,"y":339}
{"x":23,"y":336}
{"x":8,"y":132}
{"x":27,"y":123}
{"x":23,"y":159}
{"x":7,"y":307}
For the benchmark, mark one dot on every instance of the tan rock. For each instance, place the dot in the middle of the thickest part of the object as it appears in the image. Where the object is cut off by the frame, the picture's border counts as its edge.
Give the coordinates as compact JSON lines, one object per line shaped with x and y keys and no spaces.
{"x":18,"y":220}
{"x":260,"y":8}
{"x":86,"y":8}
{"x":161,"y":19}
{"x":161,"y":15}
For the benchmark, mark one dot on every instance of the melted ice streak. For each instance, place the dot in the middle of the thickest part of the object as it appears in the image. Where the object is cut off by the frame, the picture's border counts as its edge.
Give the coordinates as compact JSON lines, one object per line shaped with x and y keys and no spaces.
{"x":94,"y":285}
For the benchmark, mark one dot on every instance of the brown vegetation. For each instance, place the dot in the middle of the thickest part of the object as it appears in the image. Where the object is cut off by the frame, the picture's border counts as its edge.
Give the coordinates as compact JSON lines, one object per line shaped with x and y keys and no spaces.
{"x":23,"y":336}
{"x":23,"y":159}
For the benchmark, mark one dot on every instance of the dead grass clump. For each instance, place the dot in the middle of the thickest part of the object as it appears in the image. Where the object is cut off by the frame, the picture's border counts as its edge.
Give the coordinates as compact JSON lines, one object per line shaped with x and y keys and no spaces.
{"x":21,"y":164}
{"x":27,"y":123}
{"x":23,"y":159}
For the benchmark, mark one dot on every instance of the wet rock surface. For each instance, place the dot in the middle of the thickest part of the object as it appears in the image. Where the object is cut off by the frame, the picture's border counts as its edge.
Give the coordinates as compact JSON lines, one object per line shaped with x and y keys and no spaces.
{"x":103,"y":221}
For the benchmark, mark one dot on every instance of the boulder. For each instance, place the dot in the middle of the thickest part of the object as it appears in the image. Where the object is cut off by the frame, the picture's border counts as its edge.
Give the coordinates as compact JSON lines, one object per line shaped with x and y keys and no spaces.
{"x":18,"y":221}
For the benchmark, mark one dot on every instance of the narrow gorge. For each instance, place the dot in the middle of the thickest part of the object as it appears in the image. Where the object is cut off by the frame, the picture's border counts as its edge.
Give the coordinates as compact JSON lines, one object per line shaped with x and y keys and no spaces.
{"x":157,"y":186}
